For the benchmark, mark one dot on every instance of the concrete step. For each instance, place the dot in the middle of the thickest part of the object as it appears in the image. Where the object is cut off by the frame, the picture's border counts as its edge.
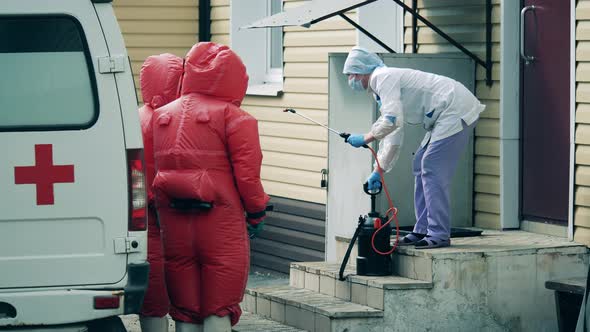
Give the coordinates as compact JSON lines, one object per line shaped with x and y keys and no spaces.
{"x":493,"y":282}
{"x":310,"y":310}
{"x":250,"y":322}
{"x":323,"y":277}
{"x":432,"y":265}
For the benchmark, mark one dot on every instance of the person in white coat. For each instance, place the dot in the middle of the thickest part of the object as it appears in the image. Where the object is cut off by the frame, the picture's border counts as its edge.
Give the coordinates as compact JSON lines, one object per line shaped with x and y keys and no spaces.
{"x":448,"y":111}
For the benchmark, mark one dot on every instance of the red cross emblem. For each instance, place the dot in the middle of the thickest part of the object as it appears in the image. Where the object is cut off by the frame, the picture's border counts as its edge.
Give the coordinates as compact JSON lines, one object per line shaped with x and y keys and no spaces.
{"x":44,"y":174}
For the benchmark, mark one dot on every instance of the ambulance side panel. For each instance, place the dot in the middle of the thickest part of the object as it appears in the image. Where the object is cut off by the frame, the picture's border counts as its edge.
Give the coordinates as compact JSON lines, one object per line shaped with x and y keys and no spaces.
{"x":63,"y":172}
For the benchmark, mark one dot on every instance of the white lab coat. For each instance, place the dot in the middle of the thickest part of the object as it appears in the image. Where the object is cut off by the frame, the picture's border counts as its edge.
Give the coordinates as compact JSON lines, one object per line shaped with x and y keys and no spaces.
{"x":412,"y":96}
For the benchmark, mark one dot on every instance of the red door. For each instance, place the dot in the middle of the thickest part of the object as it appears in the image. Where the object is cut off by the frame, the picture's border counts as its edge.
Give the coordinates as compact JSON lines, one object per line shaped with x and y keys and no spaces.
{"x":545,"y":106}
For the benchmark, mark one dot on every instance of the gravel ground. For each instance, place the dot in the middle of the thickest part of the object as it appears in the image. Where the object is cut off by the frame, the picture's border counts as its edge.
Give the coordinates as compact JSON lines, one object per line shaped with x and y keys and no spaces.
{"x":248,"y":322}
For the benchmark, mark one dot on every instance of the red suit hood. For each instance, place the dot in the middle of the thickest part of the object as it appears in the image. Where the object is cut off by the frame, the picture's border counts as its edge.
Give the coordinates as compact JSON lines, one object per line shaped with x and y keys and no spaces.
{"x":215,"y":70}
{"x":159,"y":78}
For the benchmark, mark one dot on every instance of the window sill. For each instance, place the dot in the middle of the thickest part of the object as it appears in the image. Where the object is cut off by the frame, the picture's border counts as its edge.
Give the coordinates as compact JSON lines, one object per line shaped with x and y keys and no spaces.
{"x":265,"y":89}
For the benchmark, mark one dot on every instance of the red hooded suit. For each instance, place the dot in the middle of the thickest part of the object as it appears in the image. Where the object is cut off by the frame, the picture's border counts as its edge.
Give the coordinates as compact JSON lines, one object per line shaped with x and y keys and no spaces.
{"x":207,"y":149}
{"x":159,"y":79}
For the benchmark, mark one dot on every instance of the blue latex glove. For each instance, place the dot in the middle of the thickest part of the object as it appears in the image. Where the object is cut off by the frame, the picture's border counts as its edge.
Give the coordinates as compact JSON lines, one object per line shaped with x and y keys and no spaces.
{"x":253,"y":231}
{"x":356,"y":140}
{"x":374,"y":181}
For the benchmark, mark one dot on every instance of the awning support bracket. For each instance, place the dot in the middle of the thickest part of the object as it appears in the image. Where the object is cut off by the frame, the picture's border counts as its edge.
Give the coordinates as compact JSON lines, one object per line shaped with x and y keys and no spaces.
{"x":367,"y":33}
{"x":487,"y":64}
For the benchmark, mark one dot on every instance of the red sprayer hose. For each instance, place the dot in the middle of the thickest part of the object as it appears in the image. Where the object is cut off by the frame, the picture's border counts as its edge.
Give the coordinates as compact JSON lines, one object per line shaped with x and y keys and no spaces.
{"x":392,"y":210}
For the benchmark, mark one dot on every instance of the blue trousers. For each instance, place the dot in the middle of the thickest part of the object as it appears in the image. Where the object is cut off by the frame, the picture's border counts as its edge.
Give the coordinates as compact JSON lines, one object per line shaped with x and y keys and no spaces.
{"x":433,"y":167}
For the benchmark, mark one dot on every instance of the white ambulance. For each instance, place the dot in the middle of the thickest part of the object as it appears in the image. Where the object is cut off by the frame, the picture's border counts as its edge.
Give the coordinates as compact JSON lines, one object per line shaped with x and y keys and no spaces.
{"x":72,"y":192}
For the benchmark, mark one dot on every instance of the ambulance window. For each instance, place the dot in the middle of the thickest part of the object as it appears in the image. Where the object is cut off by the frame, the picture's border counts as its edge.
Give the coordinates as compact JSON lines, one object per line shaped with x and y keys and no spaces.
{"x":46,"y":80}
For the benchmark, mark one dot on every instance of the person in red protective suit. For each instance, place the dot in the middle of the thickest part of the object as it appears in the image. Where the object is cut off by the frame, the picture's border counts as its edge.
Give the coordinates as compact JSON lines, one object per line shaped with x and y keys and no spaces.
{"x":159,"y":79}
{"x":208,"y":187}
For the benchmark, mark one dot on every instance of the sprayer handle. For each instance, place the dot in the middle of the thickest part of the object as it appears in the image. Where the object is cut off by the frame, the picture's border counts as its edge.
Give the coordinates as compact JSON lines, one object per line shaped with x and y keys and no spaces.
{"x":347,"y":135}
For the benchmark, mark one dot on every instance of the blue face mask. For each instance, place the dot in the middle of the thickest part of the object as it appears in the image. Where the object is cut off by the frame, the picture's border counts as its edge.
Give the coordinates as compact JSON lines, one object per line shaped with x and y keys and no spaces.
{"x":356,"y":85}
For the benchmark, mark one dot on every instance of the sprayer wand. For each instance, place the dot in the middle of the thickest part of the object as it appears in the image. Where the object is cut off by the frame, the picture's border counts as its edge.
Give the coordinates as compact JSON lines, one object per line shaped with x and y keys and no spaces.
{"x":343,"y":135}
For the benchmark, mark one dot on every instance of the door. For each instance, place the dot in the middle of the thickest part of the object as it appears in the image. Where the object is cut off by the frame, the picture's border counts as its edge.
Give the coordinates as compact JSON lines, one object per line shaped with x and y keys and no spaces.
{"x":63,"y":172}
{"x":545,"y":120}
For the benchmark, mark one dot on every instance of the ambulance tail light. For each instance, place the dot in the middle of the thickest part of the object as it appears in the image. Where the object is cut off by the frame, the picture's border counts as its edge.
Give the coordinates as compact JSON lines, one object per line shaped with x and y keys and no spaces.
{"x":137,"y":191}
{"x":107,"y":302}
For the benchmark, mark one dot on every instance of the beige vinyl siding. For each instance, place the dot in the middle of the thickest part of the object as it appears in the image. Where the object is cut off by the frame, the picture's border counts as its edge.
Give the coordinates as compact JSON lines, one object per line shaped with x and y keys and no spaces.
{"x":153,"y":27}
{"x":464,"y":20}
{"x":582,"y":133}
{"x":295,"y":151}
{"x":220,"y":21}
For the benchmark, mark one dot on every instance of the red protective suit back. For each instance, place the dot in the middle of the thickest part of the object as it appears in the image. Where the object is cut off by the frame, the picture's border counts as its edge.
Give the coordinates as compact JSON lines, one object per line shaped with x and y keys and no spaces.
{"x":205,"y":131}
{"x":159,"y":79}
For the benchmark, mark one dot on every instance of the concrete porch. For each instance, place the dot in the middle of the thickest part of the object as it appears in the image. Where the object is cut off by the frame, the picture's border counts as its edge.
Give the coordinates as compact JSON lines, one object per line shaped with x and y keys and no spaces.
{"x":494,"y":282}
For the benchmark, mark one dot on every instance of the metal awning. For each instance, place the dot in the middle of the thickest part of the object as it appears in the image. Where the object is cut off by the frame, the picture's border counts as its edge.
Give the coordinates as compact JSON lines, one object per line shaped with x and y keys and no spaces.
{"x":309,"y":13}
{"x":319,"y":10}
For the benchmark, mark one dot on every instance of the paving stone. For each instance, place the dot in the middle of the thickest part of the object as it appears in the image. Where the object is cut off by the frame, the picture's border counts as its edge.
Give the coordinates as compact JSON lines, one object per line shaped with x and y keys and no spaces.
{"x":375,"y":297}
{"x":358,"y":294}
{"x":323,"y":323}
{"x":297,"y":278}
{"x":249,"y":303}
{"x":343,"y":290}
{"x":396,"y":282}
{"x":311,"y":301}
{"x":248,"y":323}
{"x":493,"y":243}
{"x":255,"y":323}
{"x":413,"y":267}
{"x":327,"y":285}
{"x":263,"y":307}
{"x":277,"y":311}
{"x":331,"y":270}
{"x":299,"y":318}
{"x":312,"y":281}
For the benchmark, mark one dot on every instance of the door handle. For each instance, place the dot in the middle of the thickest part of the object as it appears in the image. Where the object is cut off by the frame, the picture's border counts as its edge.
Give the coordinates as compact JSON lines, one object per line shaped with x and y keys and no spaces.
{"x":527,"y":58}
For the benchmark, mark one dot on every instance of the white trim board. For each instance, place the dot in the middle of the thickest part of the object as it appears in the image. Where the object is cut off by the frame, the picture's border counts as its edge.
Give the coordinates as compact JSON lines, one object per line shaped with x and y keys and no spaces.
{"x":509,"y":116}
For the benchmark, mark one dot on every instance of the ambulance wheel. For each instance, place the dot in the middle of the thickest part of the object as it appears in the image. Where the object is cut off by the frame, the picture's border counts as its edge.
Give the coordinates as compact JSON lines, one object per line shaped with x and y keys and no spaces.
{"x":109,"y":324}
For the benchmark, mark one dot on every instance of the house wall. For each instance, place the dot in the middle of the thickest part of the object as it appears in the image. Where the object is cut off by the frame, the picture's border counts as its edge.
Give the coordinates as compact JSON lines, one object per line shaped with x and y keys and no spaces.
{"x":464,"y":20}
{"x":153,"y":27}
{"x":582,"y":132}
{"x":295,"y":151}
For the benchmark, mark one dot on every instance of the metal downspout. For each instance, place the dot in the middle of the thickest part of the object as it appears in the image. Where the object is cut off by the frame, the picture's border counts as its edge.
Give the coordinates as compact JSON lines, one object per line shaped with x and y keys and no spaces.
{"x":489,"y":8}
{"x":414,"y":27}
{"x":204,"y":20}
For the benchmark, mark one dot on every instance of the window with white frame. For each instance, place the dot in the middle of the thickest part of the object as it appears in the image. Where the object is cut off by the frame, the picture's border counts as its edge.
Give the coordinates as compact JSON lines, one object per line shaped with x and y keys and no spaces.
{"x":261,"y":49}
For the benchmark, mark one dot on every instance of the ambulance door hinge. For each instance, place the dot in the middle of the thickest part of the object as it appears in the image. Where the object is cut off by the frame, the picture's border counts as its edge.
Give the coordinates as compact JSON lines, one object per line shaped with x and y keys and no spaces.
{"x":111,"y":64}
{"x":124,"y":245}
